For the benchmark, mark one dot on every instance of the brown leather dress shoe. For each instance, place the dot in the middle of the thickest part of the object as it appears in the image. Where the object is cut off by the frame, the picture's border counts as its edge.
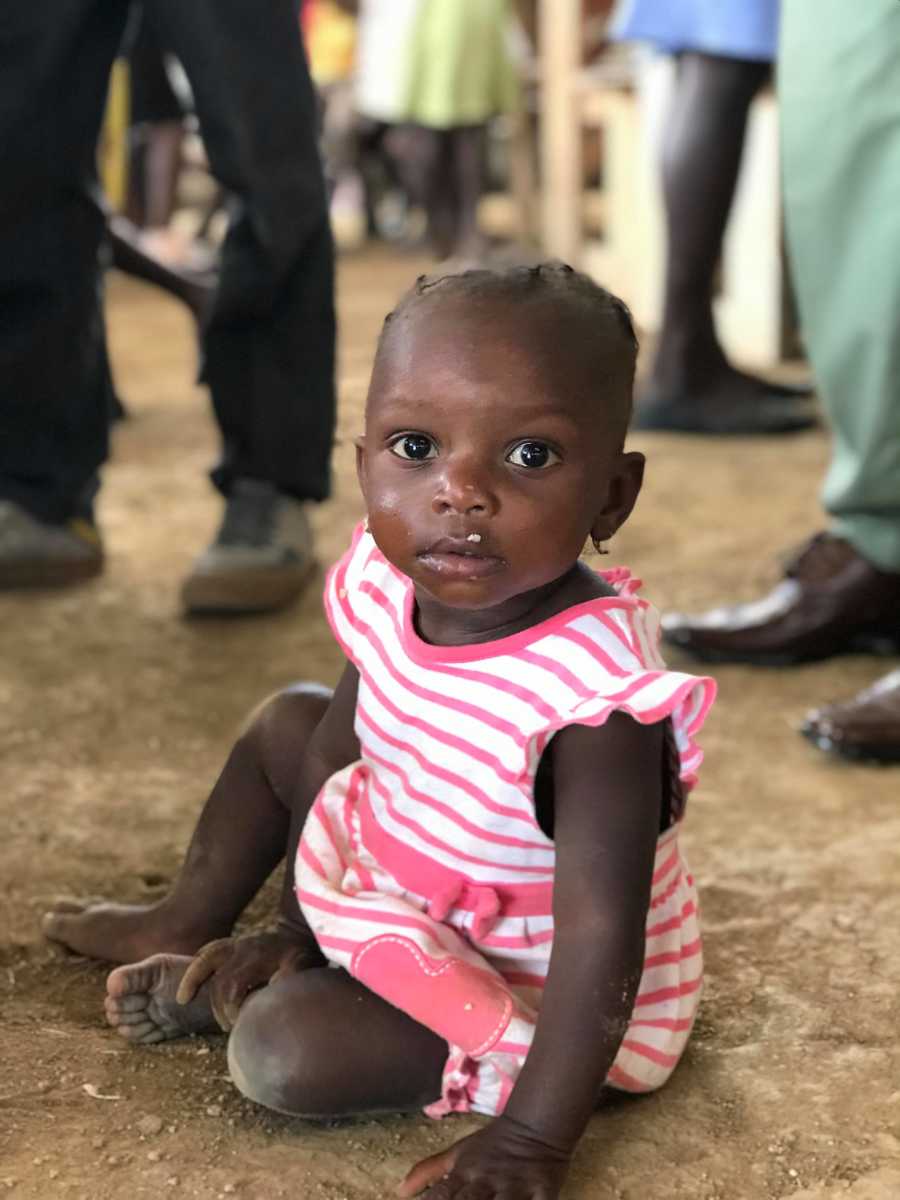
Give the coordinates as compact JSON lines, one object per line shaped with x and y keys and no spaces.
{"x":865,"y":729}
{"x":831,"y":601}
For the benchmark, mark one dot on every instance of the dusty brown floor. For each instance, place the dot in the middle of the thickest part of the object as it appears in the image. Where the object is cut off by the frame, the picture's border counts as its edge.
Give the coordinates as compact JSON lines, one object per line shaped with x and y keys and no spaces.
{"x":115,"y":714}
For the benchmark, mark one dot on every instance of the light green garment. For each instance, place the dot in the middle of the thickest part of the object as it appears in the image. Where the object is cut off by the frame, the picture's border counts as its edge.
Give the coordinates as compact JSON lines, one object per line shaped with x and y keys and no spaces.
{"x":839,"y":92}
{"x":461,"y":71}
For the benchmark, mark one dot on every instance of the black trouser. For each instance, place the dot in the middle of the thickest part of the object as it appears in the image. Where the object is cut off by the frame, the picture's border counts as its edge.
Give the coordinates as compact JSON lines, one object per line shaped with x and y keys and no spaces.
{"x":152,"y":97}
{"x":269,"y":345}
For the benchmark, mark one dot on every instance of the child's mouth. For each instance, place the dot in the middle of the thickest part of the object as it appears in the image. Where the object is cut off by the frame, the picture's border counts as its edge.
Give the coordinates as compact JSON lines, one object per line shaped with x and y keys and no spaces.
{"x":460,"y":559}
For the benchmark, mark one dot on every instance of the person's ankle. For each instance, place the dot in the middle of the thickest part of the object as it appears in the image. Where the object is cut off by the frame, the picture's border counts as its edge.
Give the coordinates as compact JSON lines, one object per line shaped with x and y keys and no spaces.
{"x":684,"y":360}
{"x":185,"y":929}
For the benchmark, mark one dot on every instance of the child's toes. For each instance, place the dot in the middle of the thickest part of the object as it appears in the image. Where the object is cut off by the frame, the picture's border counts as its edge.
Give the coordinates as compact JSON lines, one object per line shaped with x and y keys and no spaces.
{"x":130,"y":979}
{"x":116,"y":1017}
{"x":141,"y":1031}
{"x":122,"y":1020}
{"x":57,"y":921}
{"x":140,"y":1001}
{"x":129,"y":1003}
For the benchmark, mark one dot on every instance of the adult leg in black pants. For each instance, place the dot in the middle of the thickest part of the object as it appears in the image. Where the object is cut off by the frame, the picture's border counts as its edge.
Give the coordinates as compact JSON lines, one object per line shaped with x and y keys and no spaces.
{"x":692,"y":387}
{"x":55,"y":57}
{"x":269,"y":342}
{"x":268,"y":345}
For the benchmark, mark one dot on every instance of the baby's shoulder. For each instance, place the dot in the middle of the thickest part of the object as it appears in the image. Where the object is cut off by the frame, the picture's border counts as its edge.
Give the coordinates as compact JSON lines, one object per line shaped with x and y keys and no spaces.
{"x":603,"y":612}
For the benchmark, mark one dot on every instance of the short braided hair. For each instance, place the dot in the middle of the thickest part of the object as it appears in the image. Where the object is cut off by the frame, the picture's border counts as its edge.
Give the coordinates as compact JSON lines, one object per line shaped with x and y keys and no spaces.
{"x":606,"y":317}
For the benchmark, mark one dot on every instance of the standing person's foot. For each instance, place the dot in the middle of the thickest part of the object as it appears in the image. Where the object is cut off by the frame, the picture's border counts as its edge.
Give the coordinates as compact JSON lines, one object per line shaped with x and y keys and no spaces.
{"x":142,"y":1006}
{"x":172,"y":248}
{"x":794,"y":391}
{"x":131,"y":254}
{"x":36,"y":554}
{"x":864,"y":729}
{"x":261,"y":558}
{"x":831,"y":601}
{"x":347,"y":212}
{"x":727,"y":401}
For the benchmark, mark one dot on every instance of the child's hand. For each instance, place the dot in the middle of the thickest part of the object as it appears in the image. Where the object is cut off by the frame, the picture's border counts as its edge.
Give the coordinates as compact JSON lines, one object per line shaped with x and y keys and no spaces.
{"x":505,"y":1159}
{"x":237,"y":966}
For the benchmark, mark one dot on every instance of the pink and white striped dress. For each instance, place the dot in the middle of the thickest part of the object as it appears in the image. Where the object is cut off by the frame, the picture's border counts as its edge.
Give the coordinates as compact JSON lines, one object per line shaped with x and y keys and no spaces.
{"x":422,"y":869}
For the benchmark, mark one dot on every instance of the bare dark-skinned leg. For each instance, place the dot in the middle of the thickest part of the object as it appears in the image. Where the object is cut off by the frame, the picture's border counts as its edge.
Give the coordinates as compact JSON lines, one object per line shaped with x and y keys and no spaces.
{"x":702,"y":149}
{"x":320,"y":1044}
{"x":441,"y":204}
{"x":467,"y":150}
{"x":162,"y":164}
{"x":239,"y":840}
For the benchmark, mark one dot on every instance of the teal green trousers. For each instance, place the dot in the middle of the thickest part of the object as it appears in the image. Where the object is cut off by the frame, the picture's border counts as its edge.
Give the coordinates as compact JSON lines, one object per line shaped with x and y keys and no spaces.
{"x":839,"y":92}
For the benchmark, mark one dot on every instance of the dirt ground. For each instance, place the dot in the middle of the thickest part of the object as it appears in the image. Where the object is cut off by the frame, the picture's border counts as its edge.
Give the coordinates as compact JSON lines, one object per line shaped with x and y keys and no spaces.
{"x":115,"y":714}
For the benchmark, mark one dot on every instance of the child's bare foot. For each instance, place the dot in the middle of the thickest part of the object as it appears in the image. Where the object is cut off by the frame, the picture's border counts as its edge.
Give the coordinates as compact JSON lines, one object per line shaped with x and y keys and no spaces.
{"x":141,"y":1006}
{"x":124,"y":933}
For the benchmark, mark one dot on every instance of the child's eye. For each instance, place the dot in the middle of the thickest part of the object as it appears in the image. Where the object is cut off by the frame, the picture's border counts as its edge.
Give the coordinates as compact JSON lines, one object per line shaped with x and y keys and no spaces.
{"x":414,"y":446}
{"x":532,"y":454}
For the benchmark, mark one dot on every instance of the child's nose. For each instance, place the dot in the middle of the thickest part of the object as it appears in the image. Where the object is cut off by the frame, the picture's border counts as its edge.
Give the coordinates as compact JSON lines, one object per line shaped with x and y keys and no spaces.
{"x":465,"y":489}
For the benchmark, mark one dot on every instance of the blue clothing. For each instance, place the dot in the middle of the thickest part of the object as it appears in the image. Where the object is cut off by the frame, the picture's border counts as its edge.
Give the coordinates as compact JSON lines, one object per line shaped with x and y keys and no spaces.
{"x":730,"y":28}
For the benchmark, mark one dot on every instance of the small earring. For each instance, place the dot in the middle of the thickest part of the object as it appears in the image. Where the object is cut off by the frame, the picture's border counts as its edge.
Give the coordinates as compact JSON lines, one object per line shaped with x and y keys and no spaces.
{"x":600,"y":547}
{"x":366,"y":525}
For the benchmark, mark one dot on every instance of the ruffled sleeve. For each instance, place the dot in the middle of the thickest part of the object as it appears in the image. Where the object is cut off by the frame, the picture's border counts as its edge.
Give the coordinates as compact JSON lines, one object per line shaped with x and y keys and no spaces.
{"x":638,"y":682}
{"x":652,"y":696}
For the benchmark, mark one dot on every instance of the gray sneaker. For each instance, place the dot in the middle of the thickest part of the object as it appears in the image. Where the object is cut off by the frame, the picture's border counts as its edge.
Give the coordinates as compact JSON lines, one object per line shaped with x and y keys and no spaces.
{"x":260,"y":559}
{"x":34,"y":554}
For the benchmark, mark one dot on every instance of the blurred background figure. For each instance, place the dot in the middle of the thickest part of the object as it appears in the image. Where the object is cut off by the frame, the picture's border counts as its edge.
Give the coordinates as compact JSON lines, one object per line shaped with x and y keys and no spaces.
{"x":436,"y":71}
{"x":144,"y":239}
{"x":724,"y":51}
{"x":268,"y":339}
{"x":329,"y":30}
{"x":841,"y":146}
{"x":160,"y":105}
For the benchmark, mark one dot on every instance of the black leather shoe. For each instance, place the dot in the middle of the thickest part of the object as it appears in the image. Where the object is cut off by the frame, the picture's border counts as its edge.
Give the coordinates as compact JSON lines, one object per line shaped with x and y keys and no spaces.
{"x":864,"y":729}
{"x":831,"y":601}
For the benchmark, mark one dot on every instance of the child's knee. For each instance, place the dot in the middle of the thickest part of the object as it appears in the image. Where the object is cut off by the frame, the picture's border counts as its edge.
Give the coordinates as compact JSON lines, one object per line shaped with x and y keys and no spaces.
{"x":275,"y":735}
{"x":277,"y":731}
{"x":260,"y":1062}
{"x":296,"y":708}
{"x":273,"y":1058}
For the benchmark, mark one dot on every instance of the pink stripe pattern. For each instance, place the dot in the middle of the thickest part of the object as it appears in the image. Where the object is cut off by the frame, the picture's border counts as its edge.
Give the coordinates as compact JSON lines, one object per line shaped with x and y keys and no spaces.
{"x":422,"y":865}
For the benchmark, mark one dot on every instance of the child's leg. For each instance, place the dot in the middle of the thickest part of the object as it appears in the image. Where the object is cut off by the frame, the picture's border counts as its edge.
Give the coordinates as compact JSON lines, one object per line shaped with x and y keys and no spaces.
{"x":317,"y":1043}
{"x":321,"y":1044}
{"x":239,"y":839}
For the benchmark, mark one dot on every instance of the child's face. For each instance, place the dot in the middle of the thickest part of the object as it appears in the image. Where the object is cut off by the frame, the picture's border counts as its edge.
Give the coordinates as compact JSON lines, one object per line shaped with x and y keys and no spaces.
{"x":483,"y":471}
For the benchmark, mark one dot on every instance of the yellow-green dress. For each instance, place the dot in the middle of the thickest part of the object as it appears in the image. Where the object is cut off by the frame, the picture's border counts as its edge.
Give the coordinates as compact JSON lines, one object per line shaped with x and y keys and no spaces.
{"x":438,"y":63}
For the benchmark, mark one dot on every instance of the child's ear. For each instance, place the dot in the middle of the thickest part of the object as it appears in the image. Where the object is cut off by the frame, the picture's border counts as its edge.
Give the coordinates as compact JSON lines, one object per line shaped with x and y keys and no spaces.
{"x":360,"y":444}
{"x":622,"y":491}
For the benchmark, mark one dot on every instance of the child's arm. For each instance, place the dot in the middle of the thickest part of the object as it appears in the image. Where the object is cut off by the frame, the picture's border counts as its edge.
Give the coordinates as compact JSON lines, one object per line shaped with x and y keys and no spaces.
{"x":607,"y":796}
{"x":239,"y":965}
